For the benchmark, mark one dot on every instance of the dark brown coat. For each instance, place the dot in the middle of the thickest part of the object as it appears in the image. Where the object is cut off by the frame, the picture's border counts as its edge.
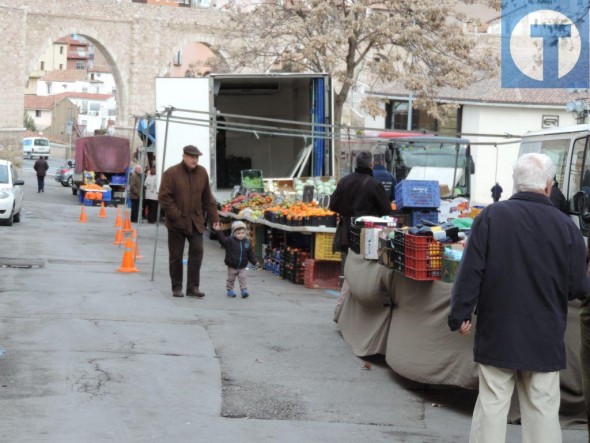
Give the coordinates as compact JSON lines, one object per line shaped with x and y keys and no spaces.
{"x":186,"y":198}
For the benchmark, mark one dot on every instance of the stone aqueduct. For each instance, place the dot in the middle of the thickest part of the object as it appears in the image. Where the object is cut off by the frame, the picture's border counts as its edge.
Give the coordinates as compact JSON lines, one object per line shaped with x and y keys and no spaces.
{"x":137,"y":39}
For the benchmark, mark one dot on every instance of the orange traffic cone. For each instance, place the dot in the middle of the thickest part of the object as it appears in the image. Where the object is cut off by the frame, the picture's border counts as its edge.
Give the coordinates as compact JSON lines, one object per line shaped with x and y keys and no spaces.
{"x":127,"y":223}
{"x":83,"y":218}
{"x":103,"y":212}
{"x":136,"y":253}
{"x":119,"y":237}
{"x":118,"y":221}
{"x":127,"y":265}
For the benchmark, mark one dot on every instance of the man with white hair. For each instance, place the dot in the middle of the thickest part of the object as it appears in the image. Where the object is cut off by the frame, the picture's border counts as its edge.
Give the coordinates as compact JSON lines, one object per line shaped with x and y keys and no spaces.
{"x":523,"y":262}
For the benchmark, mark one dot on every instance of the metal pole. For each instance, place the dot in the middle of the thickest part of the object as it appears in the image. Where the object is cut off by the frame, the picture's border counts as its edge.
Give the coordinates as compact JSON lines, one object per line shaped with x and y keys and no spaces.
{"x":410,"y":106}
{"x":168,"y":113}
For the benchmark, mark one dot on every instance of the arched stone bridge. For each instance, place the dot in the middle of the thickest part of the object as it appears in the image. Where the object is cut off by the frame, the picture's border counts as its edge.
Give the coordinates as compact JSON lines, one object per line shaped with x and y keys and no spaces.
{"x":138,"y":40}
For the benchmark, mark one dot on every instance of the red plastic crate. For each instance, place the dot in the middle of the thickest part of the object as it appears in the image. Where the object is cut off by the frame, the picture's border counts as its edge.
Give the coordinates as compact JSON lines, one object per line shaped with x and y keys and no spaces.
{"x":423,"y":257}
{"x":321,"y":274}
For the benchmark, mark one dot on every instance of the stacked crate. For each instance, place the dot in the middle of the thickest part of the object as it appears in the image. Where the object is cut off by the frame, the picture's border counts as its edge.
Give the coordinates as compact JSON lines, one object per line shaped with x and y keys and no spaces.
{"x":292,"y":266}
{"x":321,"y":274}
{"x":418,"y":199}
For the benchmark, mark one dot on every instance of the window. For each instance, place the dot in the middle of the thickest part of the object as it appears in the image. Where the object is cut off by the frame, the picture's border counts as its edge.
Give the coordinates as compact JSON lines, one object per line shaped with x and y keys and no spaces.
{"x":80,"y":65}
{"x":61,"y":67}
{"x":38,"y":113}
{"x":42,"y":67}
{"x":61,"y":49}
{"x":397,"y":118}
{"x":579,"y":169}
{"x":48,"y":88}
{"x":84,"y":90}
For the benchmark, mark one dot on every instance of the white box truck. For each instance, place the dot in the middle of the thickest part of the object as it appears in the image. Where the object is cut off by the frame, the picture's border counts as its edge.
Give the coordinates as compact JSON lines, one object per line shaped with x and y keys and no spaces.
{"x":224,"y":116}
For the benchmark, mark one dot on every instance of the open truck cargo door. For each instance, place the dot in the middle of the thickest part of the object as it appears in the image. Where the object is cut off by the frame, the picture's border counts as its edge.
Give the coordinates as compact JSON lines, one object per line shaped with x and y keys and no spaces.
{"x":242,"y":122}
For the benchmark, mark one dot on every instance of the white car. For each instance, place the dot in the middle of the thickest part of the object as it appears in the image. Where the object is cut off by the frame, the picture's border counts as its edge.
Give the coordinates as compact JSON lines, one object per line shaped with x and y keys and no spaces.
{"x":11,"y":193}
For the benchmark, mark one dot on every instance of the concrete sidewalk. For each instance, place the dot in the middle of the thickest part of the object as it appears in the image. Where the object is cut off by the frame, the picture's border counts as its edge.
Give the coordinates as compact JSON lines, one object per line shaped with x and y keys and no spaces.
{"x":95,"y":355}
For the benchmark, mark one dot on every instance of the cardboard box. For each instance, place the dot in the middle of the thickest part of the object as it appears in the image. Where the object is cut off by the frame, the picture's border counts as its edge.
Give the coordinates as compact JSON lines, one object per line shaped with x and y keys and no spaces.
{"x":370,"y":243}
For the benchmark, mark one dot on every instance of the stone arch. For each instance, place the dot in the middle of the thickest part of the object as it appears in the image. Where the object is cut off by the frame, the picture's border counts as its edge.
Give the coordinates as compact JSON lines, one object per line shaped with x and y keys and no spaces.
{"x":206,"y":41}
{"x":121,"y":96}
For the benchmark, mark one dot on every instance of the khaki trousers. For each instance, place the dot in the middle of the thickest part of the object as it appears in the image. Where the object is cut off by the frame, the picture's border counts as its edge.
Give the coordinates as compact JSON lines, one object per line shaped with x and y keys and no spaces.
{"x":539,"y":397}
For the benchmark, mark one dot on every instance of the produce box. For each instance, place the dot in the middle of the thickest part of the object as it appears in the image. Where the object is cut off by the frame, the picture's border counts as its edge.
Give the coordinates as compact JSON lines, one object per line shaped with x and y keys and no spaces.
{"x":423,"y":257}
{"x":323,"y":247}
{"x":417,"y":194}
{"x":369,"y":243}
{"x":118,"y":180}
{"x":252,"y":180}
{"x":321,"y":274}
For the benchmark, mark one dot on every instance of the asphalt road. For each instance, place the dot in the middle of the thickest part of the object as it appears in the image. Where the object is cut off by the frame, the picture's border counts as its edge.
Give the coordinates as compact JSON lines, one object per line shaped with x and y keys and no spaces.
{"x":89,"y":354}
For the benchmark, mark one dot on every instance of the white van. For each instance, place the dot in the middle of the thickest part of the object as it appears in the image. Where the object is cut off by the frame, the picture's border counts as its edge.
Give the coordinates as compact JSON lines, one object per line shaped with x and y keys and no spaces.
{"x":569,"y":148}
{"x":36,"y":147}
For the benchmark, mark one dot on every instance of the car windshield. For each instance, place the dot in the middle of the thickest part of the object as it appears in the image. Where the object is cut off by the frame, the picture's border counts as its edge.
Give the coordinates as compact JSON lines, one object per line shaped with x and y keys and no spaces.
{"x":41,"y":142}
{"x":3,"y":174}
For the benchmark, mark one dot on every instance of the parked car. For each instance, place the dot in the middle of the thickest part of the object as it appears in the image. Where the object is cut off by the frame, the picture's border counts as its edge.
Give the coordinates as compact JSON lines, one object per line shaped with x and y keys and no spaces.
{"x":11,"y":193}
{"x":65,"y":173}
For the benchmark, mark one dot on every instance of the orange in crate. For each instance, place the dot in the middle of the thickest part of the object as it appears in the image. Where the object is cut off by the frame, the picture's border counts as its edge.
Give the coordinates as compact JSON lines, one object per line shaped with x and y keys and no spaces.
{"x":423,"y":257}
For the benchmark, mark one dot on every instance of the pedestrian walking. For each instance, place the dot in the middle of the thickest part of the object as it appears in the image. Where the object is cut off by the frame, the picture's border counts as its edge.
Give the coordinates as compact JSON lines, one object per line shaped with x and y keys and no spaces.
{"x":151,"y":195}
{"x":185,"y":194}
{"x":135,"y":185}
{"x":41,"y":166}
{"x":496,"y":192}
{"x":520,"y":279}
{"x":238,"y":253}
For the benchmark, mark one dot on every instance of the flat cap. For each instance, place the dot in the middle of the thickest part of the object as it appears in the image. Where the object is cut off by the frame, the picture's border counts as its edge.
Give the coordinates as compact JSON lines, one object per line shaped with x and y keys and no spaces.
{"x":191,"y":150}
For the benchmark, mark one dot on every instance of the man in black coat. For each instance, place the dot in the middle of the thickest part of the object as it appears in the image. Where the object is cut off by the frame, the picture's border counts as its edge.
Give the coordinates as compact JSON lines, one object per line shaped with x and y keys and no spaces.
{"x":41,"y":166}
{"x":524,"y":260}
{"x":357,"y":194}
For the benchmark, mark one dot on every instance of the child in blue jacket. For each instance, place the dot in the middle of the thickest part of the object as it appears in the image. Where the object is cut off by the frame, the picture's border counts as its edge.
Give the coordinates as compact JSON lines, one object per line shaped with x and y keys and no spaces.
{"x":238,"y":252}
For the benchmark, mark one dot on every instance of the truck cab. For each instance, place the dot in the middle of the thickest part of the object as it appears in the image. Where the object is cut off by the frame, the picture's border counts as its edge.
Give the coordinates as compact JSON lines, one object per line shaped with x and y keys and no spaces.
{"x":569,"y":149}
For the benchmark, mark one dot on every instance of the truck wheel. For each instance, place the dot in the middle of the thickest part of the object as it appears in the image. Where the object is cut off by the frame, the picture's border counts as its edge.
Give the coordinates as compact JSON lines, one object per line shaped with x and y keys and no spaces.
{"x":29,"y":155}
{"x":69,"y":182}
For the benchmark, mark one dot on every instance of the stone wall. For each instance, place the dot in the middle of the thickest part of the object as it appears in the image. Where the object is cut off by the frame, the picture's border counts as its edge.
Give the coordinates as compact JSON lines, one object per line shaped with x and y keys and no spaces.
{"x":138,"y":40}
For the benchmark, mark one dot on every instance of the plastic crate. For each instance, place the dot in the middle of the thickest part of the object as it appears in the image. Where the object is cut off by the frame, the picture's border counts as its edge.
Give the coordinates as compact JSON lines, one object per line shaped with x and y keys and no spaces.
{"x":423,"y":257}
{"x":417,"y":194}
{"x":321,"y":274}
{"x":252,"y":180}
{"x":417,"y":215}
{"x":323,"y":247}
{"x":118,"y":180}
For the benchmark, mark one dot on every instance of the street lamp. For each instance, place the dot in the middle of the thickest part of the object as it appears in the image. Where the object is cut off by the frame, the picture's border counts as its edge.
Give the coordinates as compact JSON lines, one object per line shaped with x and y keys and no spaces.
{"x":578,"y":106}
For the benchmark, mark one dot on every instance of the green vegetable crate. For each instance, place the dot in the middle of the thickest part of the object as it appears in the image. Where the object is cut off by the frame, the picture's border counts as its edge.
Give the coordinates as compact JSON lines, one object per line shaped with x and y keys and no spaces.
{"x":252,"y":180}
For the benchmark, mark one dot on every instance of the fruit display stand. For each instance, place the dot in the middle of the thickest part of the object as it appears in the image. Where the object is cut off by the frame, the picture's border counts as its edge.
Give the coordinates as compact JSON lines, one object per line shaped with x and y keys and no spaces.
{"x":308,"y":258}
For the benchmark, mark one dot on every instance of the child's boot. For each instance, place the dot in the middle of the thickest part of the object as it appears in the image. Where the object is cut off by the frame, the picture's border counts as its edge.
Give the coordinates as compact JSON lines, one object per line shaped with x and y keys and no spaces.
{"x":231,"y":293}
{"x":245,"y":293}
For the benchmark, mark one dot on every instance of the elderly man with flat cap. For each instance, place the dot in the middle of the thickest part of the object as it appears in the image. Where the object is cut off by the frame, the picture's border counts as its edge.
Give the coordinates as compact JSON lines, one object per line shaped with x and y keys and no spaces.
{"x":185,"y":196}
